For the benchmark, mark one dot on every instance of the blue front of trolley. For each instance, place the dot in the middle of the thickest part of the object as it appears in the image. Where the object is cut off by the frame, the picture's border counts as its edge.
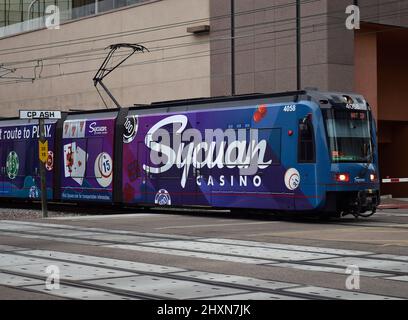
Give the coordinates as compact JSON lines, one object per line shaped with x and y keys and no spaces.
{"x":350,"y":178}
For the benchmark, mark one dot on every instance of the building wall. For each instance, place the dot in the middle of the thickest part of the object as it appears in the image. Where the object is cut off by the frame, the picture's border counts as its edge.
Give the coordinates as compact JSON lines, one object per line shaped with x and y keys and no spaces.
{"x":385,"y":12}
{"x":265,"y":46}
{"x":266,"y":53}
{"x":178,"y":65}
{"x":350,"y":67}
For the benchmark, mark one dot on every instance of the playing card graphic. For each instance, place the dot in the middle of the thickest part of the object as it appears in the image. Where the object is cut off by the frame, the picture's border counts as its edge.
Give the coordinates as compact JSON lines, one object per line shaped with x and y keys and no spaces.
{"x":79,"y":166}
{"x":69,"y":154}
{"x":75,"y":162}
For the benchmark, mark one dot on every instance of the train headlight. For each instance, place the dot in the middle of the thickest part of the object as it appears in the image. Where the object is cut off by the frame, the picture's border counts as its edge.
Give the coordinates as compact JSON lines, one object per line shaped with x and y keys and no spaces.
{"x":342,"y":177}
{"x":373,"y":177}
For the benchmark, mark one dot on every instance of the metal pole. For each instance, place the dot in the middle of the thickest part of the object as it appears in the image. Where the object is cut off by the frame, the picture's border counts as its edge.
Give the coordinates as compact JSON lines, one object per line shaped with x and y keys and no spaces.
{"x":5,"y":13}
{"x":110,"y":95}
{"x":298,"y":46}
{"x":7,"y":21}
{"x":233,"y":47}
{"x":22,"y":10}
{"x":41,"y":123}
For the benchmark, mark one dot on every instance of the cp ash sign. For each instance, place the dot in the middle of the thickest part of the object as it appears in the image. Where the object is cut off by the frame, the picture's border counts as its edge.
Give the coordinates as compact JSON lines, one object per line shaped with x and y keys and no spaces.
{"x":25,"y":114}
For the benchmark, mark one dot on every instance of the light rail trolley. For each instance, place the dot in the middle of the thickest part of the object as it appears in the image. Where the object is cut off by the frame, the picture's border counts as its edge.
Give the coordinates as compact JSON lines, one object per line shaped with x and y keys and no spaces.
{"x":304,"y":151}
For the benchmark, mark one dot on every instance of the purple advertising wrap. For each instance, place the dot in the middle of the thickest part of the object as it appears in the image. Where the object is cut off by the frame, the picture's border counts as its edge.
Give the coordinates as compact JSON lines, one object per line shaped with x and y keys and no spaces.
{"x":87,"y":169}
{"x":20,"y":174}
{"x":222,"y":158}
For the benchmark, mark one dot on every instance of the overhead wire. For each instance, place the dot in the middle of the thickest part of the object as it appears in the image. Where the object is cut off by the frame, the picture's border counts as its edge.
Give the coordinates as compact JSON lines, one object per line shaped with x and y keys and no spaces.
{"x":205,"y":54}
{"x":88,"y":52}
{"x":195,"y":53}
{"x":141,"y":30}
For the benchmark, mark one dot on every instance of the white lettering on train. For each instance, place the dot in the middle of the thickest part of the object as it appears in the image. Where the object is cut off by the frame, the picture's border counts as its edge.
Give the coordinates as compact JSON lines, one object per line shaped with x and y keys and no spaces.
{"x":97,"y":130}
{"x":186,"y":149}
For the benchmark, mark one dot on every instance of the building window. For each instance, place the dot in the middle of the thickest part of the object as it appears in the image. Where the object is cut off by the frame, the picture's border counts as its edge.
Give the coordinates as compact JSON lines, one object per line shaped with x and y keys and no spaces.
{"x":19,"y":11}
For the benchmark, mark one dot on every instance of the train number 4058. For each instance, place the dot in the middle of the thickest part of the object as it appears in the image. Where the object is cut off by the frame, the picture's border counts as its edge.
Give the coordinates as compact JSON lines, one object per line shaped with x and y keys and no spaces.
{"x":290,"y":108}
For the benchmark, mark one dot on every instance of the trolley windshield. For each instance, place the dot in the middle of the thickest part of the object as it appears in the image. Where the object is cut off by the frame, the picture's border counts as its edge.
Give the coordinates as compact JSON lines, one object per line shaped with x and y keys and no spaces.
{"x":349,"y":135}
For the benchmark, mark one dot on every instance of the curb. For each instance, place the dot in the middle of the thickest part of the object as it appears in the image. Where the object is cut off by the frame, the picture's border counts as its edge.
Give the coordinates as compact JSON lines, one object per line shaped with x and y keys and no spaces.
{"x":393,"y":206}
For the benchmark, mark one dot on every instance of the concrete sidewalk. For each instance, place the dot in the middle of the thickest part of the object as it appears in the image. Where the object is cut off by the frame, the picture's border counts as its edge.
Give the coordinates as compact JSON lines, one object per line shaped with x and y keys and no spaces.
{"x":393,"y":204}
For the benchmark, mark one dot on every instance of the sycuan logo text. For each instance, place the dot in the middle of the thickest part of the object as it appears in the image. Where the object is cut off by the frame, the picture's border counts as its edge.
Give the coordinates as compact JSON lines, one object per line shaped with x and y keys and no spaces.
{"x":219,"y":148}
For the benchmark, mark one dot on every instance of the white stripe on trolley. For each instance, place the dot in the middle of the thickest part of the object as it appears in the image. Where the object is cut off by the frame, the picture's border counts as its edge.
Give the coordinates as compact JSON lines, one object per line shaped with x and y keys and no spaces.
{"x":395,"y":180}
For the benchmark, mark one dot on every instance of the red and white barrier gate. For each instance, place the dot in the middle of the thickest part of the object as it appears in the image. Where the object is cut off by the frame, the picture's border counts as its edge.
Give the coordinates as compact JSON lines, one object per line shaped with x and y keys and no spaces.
{"x":395,"y":180}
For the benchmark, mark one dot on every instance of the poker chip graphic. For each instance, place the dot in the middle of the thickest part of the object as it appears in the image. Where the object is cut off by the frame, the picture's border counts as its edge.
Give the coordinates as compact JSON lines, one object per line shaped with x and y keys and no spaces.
{"x":130,"y":129}
{"x":162,"y":198}
{"x":49,"y":164}
{"x":12,"y":165}
{"x":103,"y":169}
{"x":292,"y":179}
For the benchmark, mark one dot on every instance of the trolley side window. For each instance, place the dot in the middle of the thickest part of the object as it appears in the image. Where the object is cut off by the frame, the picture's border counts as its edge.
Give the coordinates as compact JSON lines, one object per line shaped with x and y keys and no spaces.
{"x":306,"y":145}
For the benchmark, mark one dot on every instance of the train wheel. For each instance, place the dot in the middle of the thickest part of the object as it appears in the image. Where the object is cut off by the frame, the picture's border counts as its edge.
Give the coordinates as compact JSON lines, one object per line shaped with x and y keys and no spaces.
{"x":368,"y":215}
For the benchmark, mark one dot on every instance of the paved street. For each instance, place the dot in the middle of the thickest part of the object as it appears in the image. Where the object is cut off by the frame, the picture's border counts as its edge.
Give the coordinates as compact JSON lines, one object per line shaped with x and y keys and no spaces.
{"x":192,"y":255}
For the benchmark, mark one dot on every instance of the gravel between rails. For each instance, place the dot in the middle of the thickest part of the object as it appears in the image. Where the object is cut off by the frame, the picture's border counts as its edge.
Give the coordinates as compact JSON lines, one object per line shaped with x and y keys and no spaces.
{"x":32,"y":211}
{"x":24,"y":211}
{"x":27,"y":214}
